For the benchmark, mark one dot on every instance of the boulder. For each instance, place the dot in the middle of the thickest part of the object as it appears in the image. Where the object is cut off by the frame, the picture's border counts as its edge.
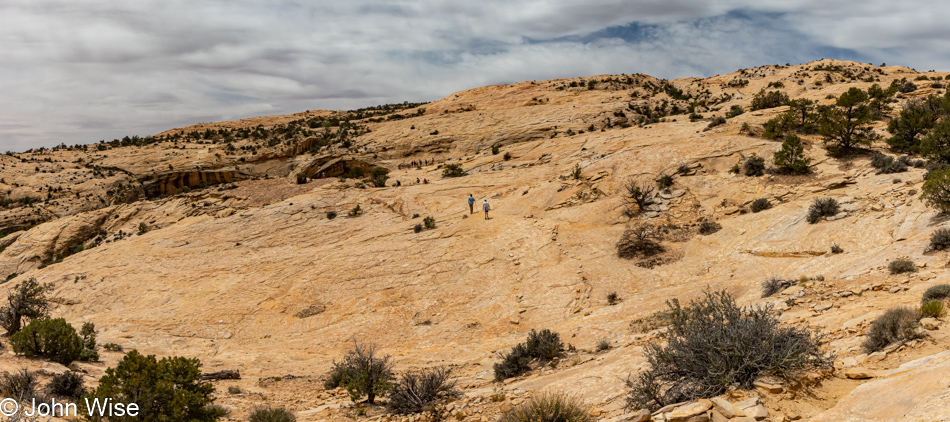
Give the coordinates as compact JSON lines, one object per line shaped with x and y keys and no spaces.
{"x":726,"y":408}
{"x":914,"y":392}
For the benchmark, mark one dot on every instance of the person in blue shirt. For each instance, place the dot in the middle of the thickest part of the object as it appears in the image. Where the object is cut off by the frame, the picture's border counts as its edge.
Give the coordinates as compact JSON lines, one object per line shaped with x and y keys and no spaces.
{"x":471,"y":204}
{"x":486,"y":208}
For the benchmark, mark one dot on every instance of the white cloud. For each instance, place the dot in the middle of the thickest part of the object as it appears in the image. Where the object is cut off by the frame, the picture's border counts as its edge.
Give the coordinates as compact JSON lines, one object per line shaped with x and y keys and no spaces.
{"x":76,"y":72}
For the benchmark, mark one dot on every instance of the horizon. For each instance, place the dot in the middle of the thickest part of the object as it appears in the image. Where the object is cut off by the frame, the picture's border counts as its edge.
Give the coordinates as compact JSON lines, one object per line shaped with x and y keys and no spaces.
{"x":77,"y":75}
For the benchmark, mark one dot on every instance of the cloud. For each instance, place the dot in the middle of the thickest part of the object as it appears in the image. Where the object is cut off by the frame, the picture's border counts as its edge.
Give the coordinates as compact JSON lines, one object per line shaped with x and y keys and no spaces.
{"x":101,"y":69}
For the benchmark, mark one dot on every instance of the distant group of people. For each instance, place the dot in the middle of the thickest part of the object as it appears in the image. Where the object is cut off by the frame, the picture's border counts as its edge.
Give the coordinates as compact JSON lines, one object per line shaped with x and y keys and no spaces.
{"x":416,"y":163}
{"x":471,"y":206}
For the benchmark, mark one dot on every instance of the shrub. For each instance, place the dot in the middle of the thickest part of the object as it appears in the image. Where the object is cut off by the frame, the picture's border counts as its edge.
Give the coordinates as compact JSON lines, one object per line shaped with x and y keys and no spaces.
{"x":603,"y":344}
{"x":143,"y":228}
{"x":936,"y":189}
{"x":822,"y":207}
{"x":791,"y":158}
{"x":69,"y":384}
{"x":761,"y":204}
{"x":940,"y":239}
{"x":356,"y":211}
{"x":453,"y":170}
{"x":908,"y":87}
{"x":50,"y":338}
{"x":734,"y":111}
{"x":775,"y":285}
{"x":112,"y":347}
{"x":362,"y":372}
{"x":26,"y":300}
{"x":21,"y":385}
{"x":938,"y":292}
{"x":331,"y":215}
{"x":88,"y":334}
{"x":417,"y":390}
{"x":612,"y":298}
{"x":639,"y":241}
{"x":379,"y":176}
{"x":770,"y":99}
{"x":542,"y":345}
{"x":417,"y":228}
{"x":507,"y":156}
{"x":682,"y":170}
{"x":836,"y":249}
{"x":932,"y":309}
{"x":428,"y":222}
{"x":166,"y":389}
{"x":664,"y":181}
{"x":713,"y":344}
{"x":301,"y":179}
{"x":638,"y":195}
{"x":547,"y":407}
{"x":911,"y":124}
{"x":495,"y":149}
{"x":709,"y":227}
{"x":754,"y":166}
{"x":887,"y":164}
{"x":234,"y":389}
{"x":271,"y":414}
{"x":716,"y":121}
{"x":896,"y":325}
{"x":901,"y":266}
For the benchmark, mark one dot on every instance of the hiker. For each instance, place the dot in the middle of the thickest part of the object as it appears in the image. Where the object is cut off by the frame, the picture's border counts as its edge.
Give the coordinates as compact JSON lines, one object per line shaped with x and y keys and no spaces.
{"x":471,"y":204}
{"x":486,"y":208}
{"x":417,"y":180}
{"x":425,"y":181}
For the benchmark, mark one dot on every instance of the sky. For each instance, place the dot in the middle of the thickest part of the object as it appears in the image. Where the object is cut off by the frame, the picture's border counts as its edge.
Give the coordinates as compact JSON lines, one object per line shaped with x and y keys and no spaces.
{"x":76,"y":72}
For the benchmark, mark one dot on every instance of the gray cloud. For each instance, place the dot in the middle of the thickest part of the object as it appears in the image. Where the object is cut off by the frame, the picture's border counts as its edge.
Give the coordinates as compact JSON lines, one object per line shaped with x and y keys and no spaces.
{"x":78,"y":72}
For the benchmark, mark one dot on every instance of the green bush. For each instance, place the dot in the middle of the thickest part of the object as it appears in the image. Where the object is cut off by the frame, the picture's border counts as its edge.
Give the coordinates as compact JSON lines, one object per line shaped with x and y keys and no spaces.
{"x":362,"y":372}
{"x":453,"y":170}
{"x":901,"y":266}
{"x":429,"y":222}
{"x":26,"y":300}
{"x":416,"y":391}
{"x":771,"y":99}
{"x":664,"y":181}
{"x":54,"y":339}
{"x":754,"y":166}
{"x":896,"y":325}
{"x":836,"y":249}
{"x":378,"y":176}
{"x":936,"y":189}
{"x":89,"y":346}
{"x":713,"y":344}
{"x":165,"y":390}
{"x":507,"y":156}
{"x":331,"y":215}
{"x":69,"y":384}
{"x":495,"y":149}
{"x":543,"y":345}
{"x":602,"y":345}
{"x":761,"y":204}
{"x":417,"y":228}
{"x":932,"y":309}
{"x":938,"y":292}
{"x":301,"y":179}
{"x":791,"y":158}
{"x":734,"y":111}
{"x":547,"y":407}
{"x":271,"y":414}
